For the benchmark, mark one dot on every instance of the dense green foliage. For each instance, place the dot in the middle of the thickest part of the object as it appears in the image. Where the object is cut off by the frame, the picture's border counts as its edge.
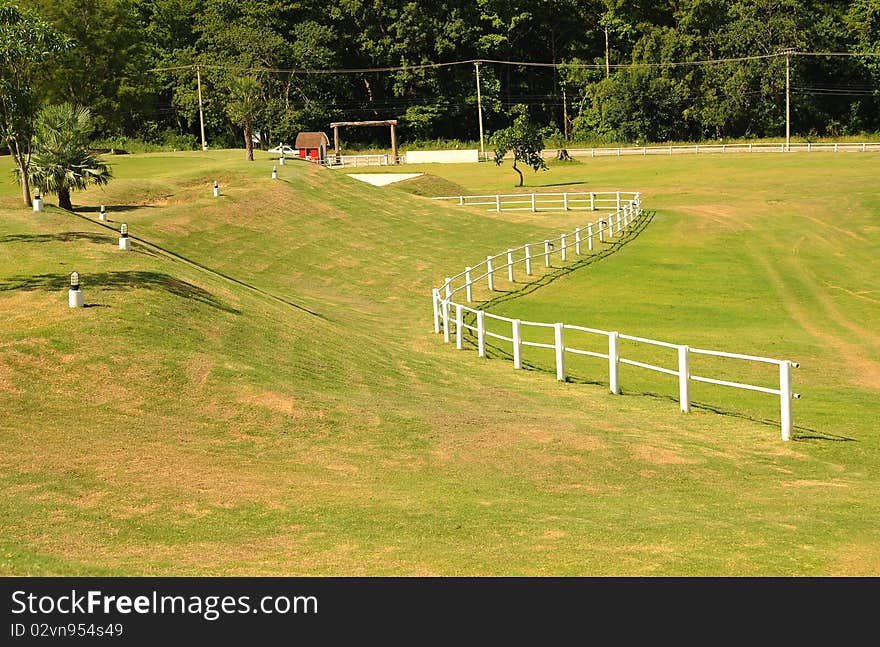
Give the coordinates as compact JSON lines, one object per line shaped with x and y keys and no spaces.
{"x":62,"y":160}
{"x":629,"y":91}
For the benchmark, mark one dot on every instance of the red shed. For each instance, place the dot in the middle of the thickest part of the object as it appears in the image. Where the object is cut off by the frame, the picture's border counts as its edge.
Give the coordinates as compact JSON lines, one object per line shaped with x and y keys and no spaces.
{"x":312,"y":146}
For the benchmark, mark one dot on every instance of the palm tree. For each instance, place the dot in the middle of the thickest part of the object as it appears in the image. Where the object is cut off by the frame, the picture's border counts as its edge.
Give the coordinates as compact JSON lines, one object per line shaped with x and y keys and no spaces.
{"x":245,"y":102}
{"x":61,"y":159}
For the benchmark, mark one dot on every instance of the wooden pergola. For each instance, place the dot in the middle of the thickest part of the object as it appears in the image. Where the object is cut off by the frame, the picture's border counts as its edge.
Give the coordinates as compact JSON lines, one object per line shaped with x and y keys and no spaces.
{"x":387,"y":122}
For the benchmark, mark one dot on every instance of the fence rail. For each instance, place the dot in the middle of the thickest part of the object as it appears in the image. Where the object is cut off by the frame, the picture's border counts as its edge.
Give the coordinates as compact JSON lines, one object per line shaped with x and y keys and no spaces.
{"x":449,"y":314}
{"x":346,"y":161}
{"x":534,"y":202}
{"x":697,"y":149}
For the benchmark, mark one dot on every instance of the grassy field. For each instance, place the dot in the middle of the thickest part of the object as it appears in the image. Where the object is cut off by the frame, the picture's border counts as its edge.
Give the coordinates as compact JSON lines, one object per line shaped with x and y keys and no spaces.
{"x":256,"y":388}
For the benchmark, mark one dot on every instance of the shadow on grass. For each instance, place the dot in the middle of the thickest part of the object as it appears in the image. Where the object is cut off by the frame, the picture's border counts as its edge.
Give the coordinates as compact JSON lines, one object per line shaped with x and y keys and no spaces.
{"x":111,"y":208}
{"x":119,"y":281}
{"x":61,"y":237}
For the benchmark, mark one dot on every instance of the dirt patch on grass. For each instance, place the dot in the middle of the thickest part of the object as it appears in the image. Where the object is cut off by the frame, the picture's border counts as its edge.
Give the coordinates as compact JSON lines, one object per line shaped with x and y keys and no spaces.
{"x":659,"y":456}
{"x":809,"y":483}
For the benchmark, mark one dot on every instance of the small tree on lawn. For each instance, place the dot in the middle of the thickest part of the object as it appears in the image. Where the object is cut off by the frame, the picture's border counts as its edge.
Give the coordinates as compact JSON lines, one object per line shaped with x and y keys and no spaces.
{"x":523,"y":139}
{"x":245,"y":105}
{"x":61,"y":158}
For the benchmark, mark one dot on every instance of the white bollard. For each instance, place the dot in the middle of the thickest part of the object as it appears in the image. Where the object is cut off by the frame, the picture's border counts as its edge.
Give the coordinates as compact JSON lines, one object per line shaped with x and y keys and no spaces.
{"x":510,"y":265}
{"x":590,"y":237}
{"x":281,"y":160}
{"x":528,"y":261}
{"x":124,"y":241}
{"x":516,"y":334}
{"x":38,"y":201}
{"x":490,"y":279}
{"x":102,"y":215}
{"x":560,"y":351}
{"x":481,"y":333}
{"x":467,"y":284}
{"x":274,"y":173}
{"x":684,"y":379}
{"x":75,"y":297}
{"x":613,"y":363}
{"x":459,"y":327}
{"x":435,"y":298}
{"x":216,"y":189}
{"x":563,"y":245}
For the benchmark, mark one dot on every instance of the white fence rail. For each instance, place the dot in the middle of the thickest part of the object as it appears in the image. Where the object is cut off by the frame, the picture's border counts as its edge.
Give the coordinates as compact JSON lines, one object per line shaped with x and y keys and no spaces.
{"x":697,"y":149}
{"x":346,"y":161}
{"x":534,"y":202}
{"x":449,"y":315}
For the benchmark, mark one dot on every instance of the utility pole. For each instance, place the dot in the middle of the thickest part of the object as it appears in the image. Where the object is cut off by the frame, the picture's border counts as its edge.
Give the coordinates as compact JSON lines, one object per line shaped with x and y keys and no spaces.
{"x":564,"y":114}
{"x":480,"y":110}
{"x":788,"y":100}
{"x":607,"y":55}
{"x":201,"y":112}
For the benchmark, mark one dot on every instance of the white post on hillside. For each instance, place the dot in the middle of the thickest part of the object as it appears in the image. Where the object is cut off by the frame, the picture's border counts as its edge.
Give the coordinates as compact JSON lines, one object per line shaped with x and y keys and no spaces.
{"x":459,"y":327}
{"x":516,"y":334}
{"x":785,"y":396}
{"x":435,"y":297}
{"x":684,"y":379}
{"x":533,"y":203}
{"x":590,"y":237}
{"x":510,"y":265}
{"x":445,"y":311}
{"x":497,"y":203}
{"x":563,"y":245}
{"x":618,"y":200}
{"x":613,"y":363}
{"x":547,"y":253}
{"x":528,"y":261}
{"x":467,"y":284}
{"x":601,"y":231}
{"x":565,"y":201}
{"x":481,"y":333}
{"x":461,"y":201}
{"x":577,"y":241}
{"x":490,"y":279}
{"x":560,"y":351}
{"x":592,"y":201}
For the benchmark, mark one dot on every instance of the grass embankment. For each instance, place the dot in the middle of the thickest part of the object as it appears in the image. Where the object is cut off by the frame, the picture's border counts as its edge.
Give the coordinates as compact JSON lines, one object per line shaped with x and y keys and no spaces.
{"x":271,"y":399}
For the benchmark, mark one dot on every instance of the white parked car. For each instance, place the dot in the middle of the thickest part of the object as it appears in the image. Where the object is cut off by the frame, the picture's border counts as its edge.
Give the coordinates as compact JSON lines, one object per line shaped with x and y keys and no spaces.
{"x":283,"y":149}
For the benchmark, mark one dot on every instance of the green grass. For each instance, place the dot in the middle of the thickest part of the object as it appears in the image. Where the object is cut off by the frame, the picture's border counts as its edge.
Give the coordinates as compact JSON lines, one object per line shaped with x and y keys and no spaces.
{"x":256,"y":388}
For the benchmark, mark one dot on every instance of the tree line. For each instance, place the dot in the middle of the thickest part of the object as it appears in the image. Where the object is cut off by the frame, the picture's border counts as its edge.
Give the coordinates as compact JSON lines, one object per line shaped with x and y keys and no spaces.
{"x":617,"y":71}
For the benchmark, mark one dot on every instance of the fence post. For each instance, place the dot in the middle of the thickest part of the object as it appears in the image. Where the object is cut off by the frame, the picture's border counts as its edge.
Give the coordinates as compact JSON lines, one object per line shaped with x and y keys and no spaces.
{"x":461,"y":201}
{"x":565,"y":201}
{"x":613,"y":363}
{"x":592,"y":201}
{"x":785,"y":398}
{"x":489,"y":278}
{"x":547,"y":253}
{"x":684,"y":377}
{"x":590,"y":237}
{"x":516,"y":334}
{"x":577,"y":241}
{"x":528,"y":261}
{"x":481,"y":333}
{"x":533,"y":203}
{"x":510,"y":265}
{"x":601,"y":231}
{"x":618,"y":200}
{"x":445,"y":306}
{"x":497,"y":203}
{"x":564,"y":250}
{"x":448,"y":287}
{"x":467,"y":284}
{"x":619,"y":218}
{"x":560,"y":351}
{"x":435,"y":298}
{"x":459,"y":327}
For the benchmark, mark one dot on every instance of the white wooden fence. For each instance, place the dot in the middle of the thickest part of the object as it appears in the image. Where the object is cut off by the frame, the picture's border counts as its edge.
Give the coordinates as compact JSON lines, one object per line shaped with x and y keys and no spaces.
{"x":696,"y":149}
{"x":449,"y":315}
{"x":544,"y":201}
{"x":345,"y":161}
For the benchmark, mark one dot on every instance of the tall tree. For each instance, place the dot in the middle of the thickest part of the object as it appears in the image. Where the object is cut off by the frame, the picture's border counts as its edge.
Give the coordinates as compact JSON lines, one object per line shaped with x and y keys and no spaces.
{"x":62,"y":160}
{"x":245,"y":104}
{"x":26,"y":41}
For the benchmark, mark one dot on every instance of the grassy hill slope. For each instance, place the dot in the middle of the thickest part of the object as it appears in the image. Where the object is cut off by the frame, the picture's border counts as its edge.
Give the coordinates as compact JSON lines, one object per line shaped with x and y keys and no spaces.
{"x":256,"y":389}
